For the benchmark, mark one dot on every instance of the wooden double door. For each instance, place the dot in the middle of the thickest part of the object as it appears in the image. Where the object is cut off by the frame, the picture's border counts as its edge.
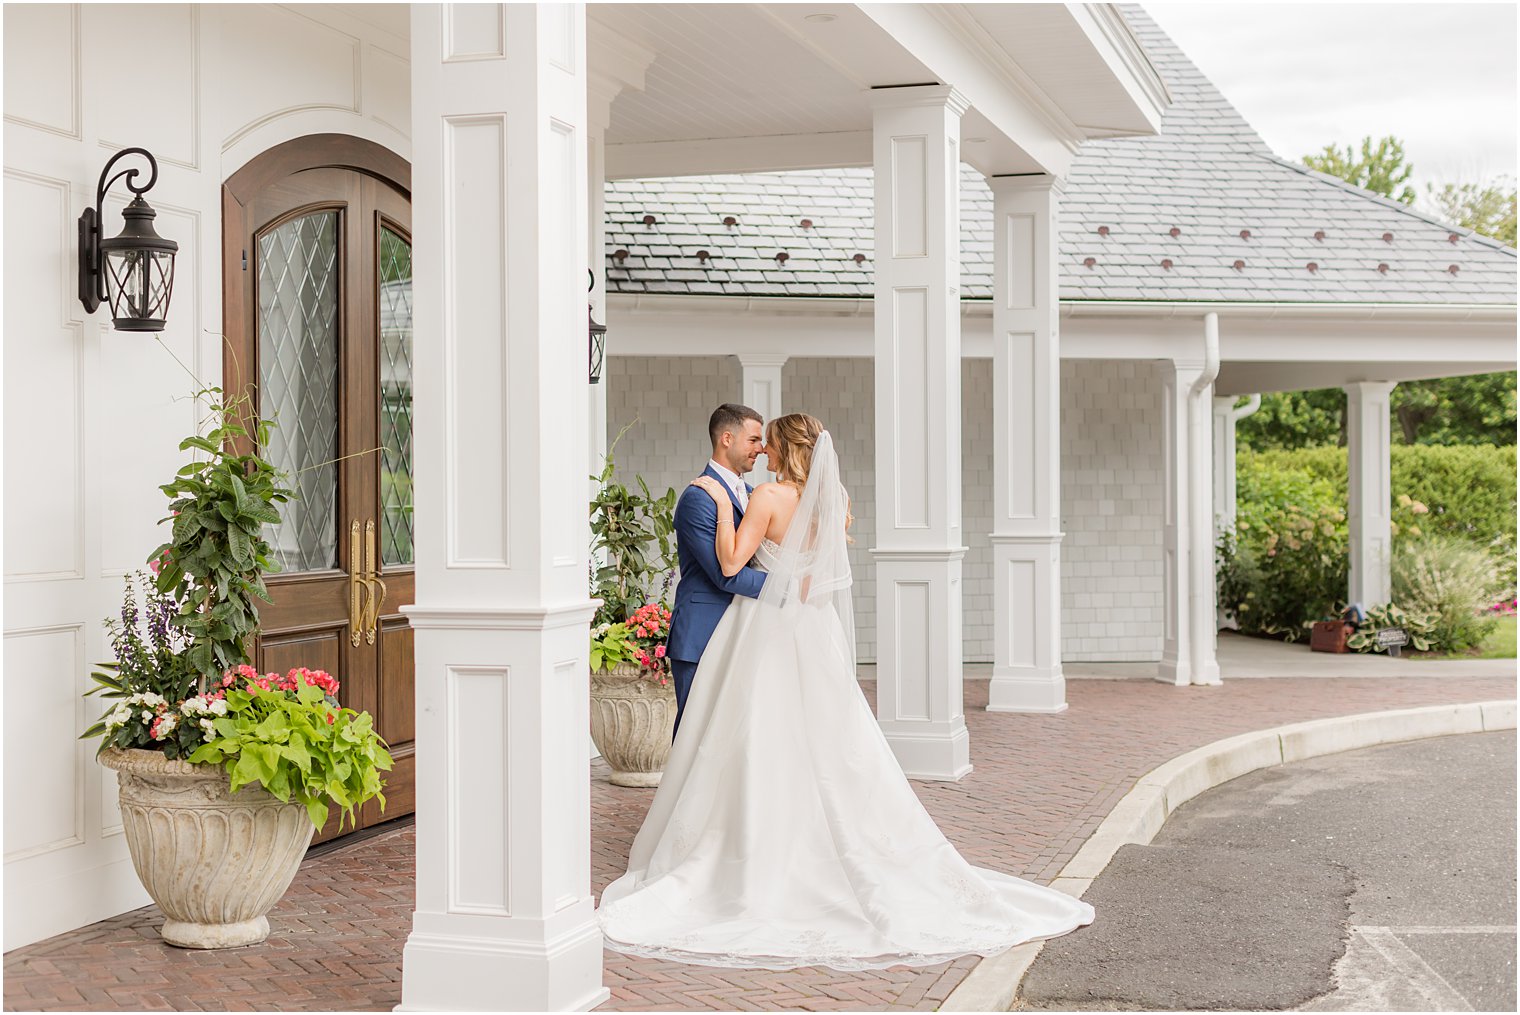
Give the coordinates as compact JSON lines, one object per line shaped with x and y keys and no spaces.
{"x":317,"y":312}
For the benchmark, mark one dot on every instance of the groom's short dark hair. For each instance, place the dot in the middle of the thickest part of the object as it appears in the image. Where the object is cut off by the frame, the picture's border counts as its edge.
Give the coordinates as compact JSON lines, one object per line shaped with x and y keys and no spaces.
{"x":729,"y":417}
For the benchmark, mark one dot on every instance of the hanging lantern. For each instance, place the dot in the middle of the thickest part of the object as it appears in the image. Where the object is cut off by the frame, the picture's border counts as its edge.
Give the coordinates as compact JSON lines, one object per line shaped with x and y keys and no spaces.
{"x":133,"y":272}
{"x":598,"y":338}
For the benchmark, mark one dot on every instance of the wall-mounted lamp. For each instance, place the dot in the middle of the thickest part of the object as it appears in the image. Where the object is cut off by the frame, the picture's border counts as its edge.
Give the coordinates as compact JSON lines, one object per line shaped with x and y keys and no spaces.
{"x":132,"y":272}
{"x":598,"y":336}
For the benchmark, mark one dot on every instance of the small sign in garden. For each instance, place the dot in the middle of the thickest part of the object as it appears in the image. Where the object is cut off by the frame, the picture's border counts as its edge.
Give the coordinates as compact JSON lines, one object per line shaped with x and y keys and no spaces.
{"x":1392,"y":639}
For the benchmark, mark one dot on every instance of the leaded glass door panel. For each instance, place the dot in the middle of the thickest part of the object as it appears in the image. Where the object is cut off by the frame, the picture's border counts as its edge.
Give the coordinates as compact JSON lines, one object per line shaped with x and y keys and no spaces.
{"x":317,"y":287}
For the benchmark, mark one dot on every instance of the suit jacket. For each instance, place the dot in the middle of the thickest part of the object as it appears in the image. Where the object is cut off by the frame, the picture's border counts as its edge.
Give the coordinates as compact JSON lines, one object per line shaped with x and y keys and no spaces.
{"x":703,"y":593}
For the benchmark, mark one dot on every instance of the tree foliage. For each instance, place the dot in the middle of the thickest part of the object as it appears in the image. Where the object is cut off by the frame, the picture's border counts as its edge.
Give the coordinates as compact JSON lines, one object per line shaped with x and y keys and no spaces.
{"x":1380,"y":169}
{"x":1488,"y":209}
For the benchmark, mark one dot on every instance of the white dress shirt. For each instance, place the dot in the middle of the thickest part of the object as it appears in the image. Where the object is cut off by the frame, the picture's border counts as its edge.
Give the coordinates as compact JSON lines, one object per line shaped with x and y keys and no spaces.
{"x":733,"y":481}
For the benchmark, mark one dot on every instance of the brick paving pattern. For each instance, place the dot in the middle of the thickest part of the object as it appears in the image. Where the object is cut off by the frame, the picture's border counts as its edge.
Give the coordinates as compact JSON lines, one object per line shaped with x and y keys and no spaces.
{"x":1042,"y":784}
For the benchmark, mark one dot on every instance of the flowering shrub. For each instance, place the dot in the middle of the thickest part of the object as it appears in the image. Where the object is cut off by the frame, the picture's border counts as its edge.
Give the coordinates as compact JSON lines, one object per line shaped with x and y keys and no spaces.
{"x":640,"y":639}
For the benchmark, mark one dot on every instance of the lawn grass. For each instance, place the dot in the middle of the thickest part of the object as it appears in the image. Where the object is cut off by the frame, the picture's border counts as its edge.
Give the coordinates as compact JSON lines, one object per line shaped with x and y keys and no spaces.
{"x":1500,"y":643}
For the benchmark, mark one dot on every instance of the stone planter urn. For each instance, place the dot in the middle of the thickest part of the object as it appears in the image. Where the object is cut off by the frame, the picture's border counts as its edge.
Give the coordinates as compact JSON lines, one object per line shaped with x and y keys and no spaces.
{"x":215,"y":862}
{"x":632,"y":720}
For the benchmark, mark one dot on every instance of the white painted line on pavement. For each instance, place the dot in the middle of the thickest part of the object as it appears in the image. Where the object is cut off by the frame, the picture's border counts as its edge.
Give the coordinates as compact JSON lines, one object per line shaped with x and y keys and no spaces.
{"x":1441,"y":995}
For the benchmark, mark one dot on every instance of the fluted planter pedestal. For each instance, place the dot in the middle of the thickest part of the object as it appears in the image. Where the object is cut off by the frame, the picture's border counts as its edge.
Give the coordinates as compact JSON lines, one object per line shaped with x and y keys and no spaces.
{"x":215,"y":862}
{"x":632,"y":721}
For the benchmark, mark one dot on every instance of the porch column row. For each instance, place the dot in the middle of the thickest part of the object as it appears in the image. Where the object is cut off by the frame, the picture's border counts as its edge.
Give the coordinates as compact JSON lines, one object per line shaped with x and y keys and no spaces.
{"x":504,"y":914}
{"x":919,"y":542}
{"x":1026,"y":416}
{"x":1369,"y":495}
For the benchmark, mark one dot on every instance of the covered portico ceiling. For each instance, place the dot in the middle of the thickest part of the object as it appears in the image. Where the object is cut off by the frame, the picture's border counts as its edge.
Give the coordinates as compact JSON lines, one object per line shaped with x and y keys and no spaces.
{"x":725,"y":88}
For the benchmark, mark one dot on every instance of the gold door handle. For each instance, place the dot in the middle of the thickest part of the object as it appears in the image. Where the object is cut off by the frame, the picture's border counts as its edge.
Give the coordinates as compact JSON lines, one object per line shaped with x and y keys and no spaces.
{"x":372,"y":582}
{"x":357,"y":586}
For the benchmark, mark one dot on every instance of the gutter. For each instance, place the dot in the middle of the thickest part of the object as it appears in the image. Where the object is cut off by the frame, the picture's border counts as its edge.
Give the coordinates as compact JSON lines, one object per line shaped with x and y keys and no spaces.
{"x":863,"y":306}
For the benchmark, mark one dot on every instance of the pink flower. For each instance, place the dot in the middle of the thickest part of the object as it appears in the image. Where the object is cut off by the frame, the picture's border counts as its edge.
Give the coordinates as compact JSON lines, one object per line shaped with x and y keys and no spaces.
{"x":659,"y":651}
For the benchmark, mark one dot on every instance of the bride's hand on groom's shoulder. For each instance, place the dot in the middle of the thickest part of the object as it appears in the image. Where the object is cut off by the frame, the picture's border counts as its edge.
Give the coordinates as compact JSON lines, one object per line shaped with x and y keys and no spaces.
{"x":711,"y":486}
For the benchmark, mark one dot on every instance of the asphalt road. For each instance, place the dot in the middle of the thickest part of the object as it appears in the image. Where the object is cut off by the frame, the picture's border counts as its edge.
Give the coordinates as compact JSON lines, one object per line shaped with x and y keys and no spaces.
{"x":1381,"y":879}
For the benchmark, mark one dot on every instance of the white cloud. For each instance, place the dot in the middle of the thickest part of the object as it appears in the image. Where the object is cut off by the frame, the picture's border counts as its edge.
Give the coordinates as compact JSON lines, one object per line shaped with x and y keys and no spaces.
{"x":1440,"y":77}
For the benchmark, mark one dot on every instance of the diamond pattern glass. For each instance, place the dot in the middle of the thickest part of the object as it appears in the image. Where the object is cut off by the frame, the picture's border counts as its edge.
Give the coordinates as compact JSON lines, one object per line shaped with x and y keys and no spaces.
{"x":396,"y":397}
{"x":298,"y":383}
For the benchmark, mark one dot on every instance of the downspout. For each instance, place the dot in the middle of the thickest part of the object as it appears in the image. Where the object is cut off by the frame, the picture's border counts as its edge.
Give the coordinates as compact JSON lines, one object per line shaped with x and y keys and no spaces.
{"x":1202,"y":629}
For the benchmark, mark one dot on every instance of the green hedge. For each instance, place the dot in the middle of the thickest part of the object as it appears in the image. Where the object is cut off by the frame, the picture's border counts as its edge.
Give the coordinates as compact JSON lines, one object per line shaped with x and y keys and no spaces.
{"x":1469,"y":489}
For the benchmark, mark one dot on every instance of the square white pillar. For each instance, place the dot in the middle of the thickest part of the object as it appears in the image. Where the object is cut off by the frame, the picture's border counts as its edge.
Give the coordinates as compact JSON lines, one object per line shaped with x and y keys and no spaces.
{"x":761,"y":390}
{"x":1176,"y":543}
{"x":1369,"y":499}
{"x":1026,"y":470}
{"x":919,"y":542}
{"x":504,"y":914}
{"x":1188,"y":648}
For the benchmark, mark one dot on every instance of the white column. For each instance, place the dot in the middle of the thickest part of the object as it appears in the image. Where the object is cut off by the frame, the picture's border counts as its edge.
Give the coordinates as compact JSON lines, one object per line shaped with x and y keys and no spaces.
{"x":596,"y":260}
{"x":1201,"y":600}
{"x":1368,"y":496}
{"x":761,"y":391}
{"x":1225,"y":416}
{"x":1176,"y":542}
{"x":504,"y":913}
{"x":919,"y":542}
{"x":1026,"y":415}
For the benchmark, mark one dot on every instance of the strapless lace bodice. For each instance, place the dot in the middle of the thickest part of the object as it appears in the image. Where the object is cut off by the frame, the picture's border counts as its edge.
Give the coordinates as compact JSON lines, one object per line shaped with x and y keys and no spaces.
{"x":766,"y":554}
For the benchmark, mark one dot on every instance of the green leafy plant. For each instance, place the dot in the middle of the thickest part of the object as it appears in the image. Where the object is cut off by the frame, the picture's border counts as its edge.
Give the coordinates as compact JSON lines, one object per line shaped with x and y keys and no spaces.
{"x":631,"y":543}
{"x":216,"y":558}
{"x":611,"y":646}
{"x":1417,"y":625}
{"x":298,"y":744}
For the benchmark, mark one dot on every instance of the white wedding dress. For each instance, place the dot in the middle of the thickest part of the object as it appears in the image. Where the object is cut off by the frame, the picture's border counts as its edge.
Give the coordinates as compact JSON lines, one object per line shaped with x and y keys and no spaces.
{"x":784,"y":833}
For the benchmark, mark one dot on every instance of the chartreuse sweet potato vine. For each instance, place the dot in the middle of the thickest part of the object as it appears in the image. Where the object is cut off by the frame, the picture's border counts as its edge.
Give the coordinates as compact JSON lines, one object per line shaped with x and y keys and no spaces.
{"x":299,"y":747}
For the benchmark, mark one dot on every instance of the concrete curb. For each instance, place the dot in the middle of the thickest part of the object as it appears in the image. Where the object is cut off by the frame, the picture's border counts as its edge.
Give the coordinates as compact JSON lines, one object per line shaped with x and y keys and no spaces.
{"x":994,"y":983}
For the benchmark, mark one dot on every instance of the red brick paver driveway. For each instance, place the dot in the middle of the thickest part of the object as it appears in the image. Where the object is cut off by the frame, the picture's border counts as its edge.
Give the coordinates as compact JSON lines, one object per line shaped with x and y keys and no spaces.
{"x":1041,"y":786}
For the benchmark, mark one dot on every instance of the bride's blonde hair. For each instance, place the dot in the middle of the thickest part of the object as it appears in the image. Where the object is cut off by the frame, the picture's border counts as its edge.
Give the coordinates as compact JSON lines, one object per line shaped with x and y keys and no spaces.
{"x":793,"y":437}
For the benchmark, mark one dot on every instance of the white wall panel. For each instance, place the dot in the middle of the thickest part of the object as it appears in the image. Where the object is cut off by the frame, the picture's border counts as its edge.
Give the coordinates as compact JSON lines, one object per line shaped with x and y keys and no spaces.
{"x":387,"y":89}
{"x":478,"y":755}
{"x":42,"y":76}
{"x":43,"y":509}
{"x":168,"y":123}
{"x":476,"y":166}
{"x":274,"y":62}
{"x":44,"y":776}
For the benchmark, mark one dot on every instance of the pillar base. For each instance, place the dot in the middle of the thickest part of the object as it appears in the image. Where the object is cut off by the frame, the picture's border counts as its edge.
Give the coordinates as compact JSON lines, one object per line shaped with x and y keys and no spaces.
{"x":930,"y":750}
{"x":1026,"y":689}
{"x":1174,"y":671}
{"x":447,"y":971}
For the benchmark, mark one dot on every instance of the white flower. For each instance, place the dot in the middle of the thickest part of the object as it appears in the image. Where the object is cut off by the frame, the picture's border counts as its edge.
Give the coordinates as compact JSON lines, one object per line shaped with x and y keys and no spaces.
{"x":195,"y":704}
{"x":218,"y":707}
{"x":147,"y":716}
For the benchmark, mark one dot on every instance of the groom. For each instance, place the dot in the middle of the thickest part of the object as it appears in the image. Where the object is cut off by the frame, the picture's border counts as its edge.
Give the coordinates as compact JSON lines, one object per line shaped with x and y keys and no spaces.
{"x":703,"y":593}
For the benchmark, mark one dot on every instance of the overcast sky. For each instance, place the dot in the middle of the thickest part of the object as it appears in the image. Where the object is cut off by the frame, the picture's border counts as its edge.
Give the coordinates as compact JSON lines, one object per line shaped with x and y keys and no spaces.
{"x":1441,"y":77}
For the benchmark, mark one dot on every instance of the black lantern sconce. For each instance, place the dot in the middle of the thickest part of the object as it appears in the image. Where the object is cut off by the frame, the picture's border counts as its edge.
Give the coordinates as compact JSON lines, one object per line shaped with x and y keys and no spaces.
{"x":598,"y":337}
{"x":132,"y":272}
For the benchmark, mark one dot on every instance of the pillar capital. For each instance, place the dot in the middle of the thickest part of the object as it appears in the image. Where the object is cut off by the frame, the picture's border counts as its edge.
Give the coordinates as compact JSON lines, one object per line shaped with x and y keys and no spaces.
{"x":1026,"y":183}
{"x":901,"y":97}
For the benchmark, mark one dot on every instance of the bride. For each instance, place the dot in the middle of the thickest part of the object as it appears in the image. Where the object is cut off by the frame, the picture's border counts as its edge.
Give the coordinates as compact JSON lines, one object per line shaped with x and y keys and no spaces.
{"x":784,"y":833}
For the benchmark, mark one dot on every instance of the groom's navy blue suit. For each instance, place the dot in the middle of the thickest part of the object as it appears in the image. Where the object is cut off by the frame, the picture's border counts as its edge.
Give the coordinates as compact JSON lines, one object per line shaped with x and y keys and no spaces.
{"x":703,"y":592}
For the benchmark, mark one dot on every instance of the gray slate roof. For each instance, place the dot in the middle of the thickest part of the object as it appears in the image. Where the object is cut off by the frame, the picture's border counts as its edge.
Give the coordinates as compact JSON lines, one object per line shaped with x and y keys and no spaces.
{"x":1207,"y":173}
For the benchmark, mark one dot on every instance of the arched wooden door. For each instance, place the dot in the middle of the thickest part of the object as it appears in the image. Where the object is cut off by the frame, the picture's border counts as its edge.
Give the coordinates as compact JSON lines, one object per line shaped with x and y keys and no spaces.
{"x":317,"y":316}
